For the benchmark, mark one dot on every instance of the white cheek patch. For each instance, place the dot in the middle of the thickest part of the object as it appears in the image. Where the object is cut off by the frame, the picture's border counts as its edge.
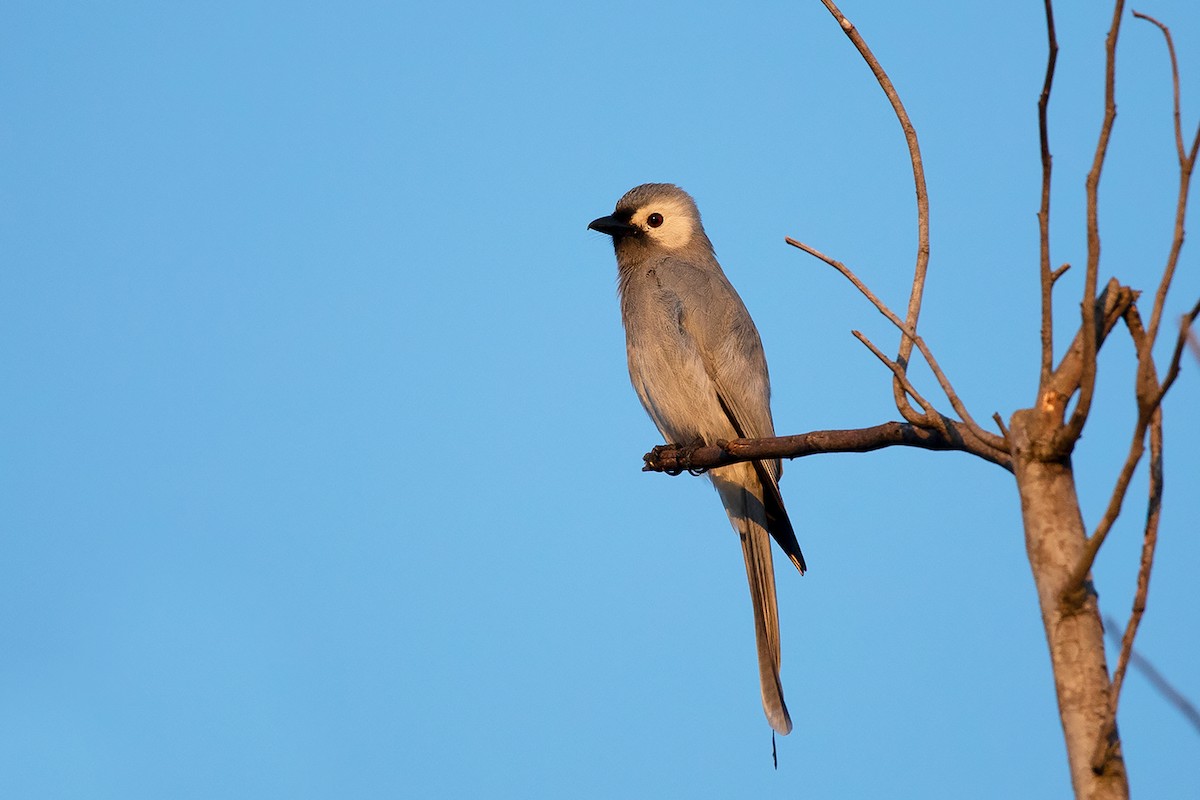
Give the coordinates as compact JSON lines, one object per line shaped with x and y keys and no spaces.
{"x":677,"y":228}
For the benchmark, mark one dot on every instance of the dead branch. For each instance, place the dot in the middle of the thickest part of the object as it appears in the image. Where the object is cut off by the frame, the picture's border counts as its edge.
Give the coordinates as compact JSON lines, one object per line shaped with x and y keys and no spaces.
{"x":901,"y":375}
{"x":928,"y":419}
{"x":1149,"y":543}
{"x":1065,"y":380}
{"x":674,"y":459}
{"x":1187,"y":334}
{"x":1149,"y":396}
{"x":1047,"y":277}
{"x":914,"y":152}
{"x":1187,"y":163}
{"x":1160,"y":683}
{"x":1149,"y":392}
{"x":1070,"y":434}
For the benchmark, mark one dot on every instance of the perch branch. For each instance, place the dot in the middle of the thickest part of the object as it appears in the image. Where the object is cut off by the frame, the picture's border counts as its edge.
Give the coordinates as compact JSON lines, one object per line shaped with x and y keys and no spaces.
{"x":678,"y":458}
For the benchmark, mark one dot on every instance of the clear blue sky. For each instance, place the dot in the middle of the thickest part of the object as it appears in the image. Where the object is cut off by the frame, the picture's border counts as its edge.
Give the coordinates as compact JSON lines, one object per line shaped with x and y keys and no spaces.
{"x":320,"y":468}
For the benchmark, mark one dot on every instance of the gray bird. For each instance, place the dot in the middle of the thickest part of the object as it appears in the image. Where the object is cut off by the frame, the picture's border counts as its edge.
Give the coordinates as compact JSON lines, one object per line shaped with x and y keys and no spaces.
{"x":698,"y":367}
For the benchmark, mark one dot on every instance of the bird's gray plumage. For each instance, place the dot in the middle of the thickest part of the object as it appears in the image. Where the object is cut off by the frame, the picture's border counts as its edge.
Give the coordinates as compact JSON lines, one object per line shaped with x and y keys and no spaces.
{"x":697,"y":364}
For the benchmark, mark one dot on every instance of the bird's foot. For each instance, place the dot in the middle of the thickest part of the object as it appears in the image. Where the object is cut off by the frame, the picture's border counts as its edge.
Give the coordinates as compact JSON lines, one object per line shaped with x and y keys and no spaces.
{"x":685,"y":456}
{"x":678,"y":455}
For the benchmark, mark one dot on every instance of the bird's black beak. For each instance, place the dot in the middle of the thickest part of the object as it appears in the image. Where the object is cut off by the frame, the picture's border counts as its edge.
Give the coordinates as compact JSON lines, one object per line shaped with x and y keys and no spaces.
{"x":612,"y":226}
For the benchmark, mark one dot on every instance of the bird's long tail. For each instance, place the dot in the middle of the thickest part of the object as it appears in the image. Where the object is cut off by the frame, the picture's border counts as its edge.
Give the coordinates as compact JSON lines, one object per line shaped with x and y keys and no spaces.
{"x":742,"y":493}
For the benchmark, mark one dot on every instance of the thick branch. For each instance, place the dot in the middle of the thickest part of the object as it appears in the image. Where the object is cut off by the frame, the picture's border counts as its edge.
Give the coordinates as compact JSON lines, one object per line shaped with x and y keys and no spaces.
{"x":1054,"y":540}
{"x":1110,"y":306}
{"x":674,"y":459}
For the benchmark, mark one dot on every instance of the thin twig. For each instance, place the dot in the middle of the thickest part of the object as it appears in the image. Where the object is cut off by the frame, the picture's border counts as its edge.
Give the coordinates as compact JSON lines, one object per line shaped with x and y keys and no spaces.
{"x":1149,"y":543}
{"x":914,"y":152}
{"x":1174,"y":79}
{"x":1164,"y":687}
{"x":1187,"y":162}
{"x":986,"y":437}
{"x":1058,"y":273}
{"x":899,"y":372}
{"x":1047,"y":277}
{"x":1000,"y":424}
{"x":1149,"y":397}
{"x":1087,"y":387}
{"x":1186,"y":334}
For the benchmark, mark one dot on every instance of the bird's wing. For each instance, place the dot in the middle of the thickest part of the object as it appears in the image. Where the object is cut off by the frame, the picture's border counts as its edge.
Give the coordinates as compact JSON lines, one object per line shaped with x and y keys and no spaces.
{"x":733,"y":357}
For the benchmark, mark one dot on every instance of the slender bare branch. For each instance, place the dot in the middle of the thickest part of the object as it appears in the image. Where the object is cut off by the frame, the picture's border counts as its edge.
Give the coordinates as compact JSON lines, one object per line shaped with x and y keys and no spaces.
{"x":1087,"y":387}
{"x":1174,"y":80}
{"x":1000,"y":424}
{"x":1149,"y":397}
{"x":926,"y":407}
{"x":1186,"y":335}
{"x":1058,"y":273}
{"x":914,"y":152}
{"x":985,"y":437}
{"x":1149,"y":543}
{"x":1047,"y":277}
{"x":1160,"y":683}
{"x":674,"y":459}
{"x":1187,"y":163}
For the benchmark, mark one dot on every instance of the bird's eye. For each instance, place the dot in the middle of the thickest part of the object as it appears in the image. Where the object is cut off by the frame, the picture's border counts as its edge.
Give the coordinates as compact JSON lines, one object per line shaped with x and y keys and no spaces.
{"x":654,"y":220}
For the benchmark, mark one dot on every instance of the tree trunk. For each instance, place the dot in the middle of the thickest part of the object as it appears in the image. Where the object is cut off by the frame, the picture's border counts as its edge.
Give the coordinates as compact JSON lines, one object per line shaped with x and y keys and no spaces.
{"x":1055,"y":540}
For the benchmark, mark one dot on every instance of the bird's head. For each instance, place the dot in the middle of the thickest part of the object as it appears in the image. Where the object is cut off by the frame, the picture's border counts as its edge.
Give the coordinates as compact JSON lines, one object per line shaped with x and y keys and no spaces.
{"x":653,"y":216}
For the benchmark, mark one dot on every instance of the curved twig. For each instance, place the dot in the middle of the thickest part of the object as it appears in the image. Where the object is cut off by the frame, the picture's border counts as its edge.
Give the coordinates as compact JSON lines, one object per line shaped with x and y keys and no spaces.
{"x":914,"y":152}
{"x":1187,"y":163}
{"x":985,"y":437}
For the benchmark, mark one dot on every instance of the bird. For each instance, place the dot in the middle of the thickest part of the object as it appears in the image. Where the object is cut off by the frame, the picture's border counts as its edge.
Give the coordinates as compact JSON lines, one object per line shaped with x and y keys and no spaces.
{"x":697,"y":364}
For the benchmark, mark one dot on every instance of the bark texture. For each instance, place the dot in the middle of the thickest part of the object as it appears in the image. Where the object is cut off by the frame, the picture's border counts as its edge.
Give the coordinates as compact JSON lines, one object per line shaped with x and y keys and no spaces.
{"x":1055,"y":541}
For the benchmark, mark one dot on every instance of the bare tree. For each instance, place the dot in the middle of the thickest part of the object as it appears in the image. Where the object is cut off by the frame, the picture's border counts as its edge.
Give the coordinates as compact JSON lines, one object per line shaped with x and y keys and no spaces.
{"x":1037,"y":443}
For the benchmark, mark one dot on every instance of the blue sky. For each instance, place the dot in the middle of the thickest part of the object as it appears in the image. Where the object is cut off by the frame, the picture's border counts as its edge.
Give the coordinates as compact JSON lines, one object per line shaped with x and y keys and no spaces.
{"x":321,"y":470}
